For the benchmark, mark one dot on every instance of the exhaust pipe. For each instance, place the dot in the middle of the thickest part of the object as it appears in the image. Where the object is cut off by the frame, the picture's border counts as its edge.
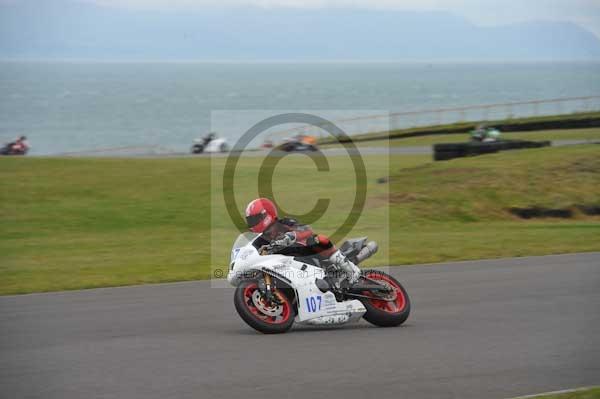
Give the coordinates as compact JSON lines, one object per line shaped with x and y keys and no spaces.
{"x":367,"y":251}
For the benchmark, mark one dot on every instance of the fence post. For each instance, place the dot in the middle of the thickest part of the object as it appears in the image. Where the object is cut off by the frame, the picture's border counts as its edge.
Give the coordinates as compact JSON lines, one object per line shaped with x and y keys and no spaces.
{"x":486,"y":113}
{"x":509,"y":114}
{"x":393,"y":122}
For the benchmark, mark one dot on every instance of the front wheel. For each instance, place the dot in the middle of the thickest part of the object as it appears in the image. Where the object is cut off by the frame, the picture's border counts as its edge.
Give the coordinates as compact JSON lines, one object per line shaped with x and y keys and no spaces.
{"x":258,"y":313}
{"x":389,"y":310}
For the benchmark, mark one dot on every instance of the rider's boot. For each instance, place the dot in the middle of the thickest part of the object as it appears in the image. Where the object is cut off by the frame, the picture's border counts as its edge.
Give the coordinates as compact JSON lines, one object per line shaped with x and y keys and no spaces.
{"x":345,"y":275}
{"x":350,"y":272}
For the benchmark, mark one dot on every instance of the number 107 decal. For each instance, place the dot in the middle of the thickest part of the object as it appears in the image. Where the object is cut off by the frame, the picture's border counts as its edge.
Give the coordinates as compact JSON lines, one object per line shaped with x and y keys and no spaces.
{"x":313,"y":303}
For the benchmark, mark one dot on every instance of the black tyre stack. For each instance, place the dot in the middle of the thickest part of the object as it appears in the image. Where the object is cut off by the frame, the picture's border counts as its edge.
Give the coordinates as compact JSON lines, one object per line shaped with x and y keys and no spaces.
{"x":446,"y":151}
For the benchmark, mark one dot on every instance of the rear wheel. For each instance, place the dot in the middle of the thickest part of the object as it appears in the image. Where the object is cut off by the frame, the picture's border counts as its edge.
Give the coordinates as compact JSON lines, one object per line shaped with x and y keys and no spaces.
{"x":386,"y":310}
{"x":268,"y":317}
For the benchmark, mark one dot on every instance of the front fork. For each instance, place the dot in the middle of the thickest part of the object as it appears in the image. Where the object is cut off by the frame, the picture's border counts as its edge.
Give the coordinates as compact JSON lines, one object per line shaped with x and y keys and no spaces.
{"x":269,"y":289}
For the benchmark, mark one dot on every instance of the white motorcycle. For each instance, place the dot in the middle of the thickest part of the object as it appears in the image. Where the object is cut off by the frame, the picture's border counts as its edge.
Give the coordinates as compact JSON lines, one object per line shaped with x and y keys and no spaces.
{"x":274,"y":290}
{"x":209,"y":144}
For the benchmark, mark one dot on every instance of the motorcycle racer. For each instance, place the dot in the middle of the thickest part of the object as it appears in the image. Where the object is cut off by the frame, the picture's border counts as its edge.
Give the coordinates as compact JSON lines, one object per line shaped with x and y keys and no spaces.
{"x":262,"y":217}
{"x":18,"y":147}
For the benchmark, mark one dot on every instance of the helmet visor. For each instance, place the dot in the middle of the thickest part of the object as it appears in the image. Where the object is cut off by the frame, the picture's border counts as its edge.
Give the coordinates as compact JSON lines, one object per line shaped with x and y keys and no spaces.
{"x":253,"y":220}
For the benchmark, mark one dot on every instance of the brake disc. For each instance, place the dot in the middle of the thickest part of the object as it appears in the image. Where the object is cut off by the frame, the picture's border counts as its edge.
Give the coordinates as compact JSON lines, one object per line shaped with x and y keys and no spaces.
{"x":258,"y":301}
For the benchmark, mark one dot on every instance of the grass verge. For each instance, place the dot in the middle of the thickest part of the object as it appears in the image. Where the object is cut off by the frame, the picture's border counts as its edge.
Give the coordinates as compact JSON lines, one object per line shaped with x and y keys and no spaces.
{"x":83,"y":223}
{"x":590,"y":134}
{"x":526,"y":124}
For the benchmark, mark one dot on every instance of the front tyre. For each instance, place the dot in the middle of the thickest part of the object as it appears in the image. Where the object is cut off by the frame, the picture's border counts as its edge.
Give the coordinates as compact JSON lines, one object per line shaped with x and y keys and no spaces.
{"x":268,"y":318}
{"x":390,"y":311}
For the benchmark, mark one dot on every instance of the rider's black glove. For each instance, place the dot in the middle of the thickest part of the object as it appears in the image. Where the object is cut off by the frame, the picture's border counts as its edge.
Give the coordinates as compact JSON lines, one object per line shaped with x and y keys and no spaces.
{"x":313,"y":241}
{"x":286,"y":240}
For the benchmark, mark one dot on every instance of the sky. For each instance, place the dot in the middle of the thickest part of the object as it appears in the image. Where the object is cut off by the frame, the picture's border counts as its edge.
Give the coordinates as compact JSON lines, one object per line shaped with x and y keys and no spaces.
{"x":585,"y":13}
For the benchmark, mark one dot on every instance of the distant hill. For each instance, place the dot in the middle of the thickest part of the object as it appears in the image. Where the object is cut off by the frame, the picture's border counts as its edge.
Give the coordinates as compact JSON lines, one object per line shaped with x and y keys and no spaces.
{"x":66,"y":29}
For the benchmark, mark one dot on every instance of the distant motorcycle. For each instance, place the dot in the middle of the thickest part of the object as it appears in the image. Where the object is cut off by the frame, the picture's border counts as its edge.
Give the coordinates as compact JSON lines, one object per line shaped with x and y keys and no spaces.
{"x":298,"y":143}
{"x":273,"y":290}
{"x":209,"y":144}
{"x":485,"y":134}
{"x":14,"y":148}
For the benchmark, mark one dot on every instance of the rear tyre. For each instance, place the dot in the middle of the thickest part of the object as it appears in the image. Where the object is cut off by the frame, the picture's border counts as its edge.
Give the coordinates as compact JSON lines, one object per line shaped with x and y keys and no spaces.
{"x":384,"y":313}
{"x":260,"y":315}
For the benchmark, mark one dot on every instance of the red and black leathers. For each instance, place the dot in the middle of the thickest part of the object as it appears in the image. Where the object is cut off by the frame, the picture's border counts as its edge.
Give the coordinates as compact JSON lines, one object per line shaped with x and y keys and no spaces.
{"x":306,"y":243}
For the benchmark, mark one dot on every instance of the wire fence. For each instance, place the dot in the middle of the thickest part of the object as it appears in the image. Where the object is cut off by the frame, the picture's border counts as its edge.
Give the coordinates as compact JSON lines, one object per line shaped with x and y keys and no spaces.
{"x":441,"y":116}
{"x":391,"y":121}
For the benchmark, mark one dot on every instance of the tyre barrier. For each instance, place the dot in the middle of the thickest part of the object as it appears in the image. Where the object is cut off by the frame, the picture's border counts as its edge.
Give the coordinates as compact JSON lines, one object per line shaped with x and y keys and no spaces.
{"x":447,"y":151}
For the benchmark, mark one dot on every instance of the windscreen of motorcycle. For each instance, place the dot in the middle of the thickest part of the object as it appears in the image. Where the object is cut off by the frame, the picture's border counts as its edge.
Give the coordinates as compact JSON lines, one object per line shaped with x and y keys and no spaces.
{"x":240,"y":242}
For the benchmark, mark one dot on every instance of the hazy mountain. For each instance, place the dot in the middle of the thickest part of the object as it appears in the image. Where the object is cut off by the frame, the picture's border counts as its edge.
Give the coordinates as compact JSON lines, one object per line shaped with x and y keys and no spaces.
{"x":66,"y":29}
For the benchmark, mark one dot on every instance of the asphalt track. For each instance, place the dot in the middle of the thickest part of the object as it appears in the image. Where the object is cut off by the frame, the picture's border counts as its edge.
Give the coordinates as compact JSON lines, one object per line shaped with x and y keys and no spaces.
{"x":147,"y":152}
{"x":482,"y":329}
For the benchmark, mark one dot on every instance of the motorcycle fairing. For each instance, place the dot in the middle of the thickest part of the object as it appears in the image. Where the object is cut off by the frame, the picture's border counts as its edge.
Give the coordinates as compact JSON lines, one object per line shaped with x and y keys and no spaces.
{"x":311,"y":302}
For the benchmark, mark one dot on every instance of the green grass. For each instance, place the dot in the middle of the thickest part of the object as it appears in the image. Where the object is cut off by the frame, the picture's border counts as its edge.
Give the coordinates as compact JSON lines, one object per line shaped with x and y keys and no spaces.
{"x":586,"y":393}
{"x":82,"y":223}
{"x":591,"y":134}
{"x":458,"y":209}
{"x":464,"y":127}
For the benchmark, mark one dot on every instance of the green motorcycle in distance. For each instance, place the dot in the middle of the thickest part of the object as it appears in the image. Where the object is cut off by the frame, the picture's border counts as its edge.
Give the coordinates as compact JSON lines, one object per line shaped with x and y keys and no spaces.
{"x":485,"y":134}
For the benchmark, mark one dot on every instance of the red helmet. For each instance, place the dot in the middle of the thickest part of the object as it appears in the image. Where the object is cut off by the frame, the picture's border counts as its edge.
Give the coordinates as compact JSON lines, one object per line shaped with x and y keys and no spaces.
{"x":260,"y":214}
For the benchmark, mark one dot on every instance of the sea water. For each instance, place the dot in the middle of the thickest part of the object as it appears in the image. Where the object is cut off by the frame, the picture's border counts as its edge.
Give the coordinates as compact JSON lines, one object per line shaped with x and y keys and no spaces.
{"x":80,"y":106}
